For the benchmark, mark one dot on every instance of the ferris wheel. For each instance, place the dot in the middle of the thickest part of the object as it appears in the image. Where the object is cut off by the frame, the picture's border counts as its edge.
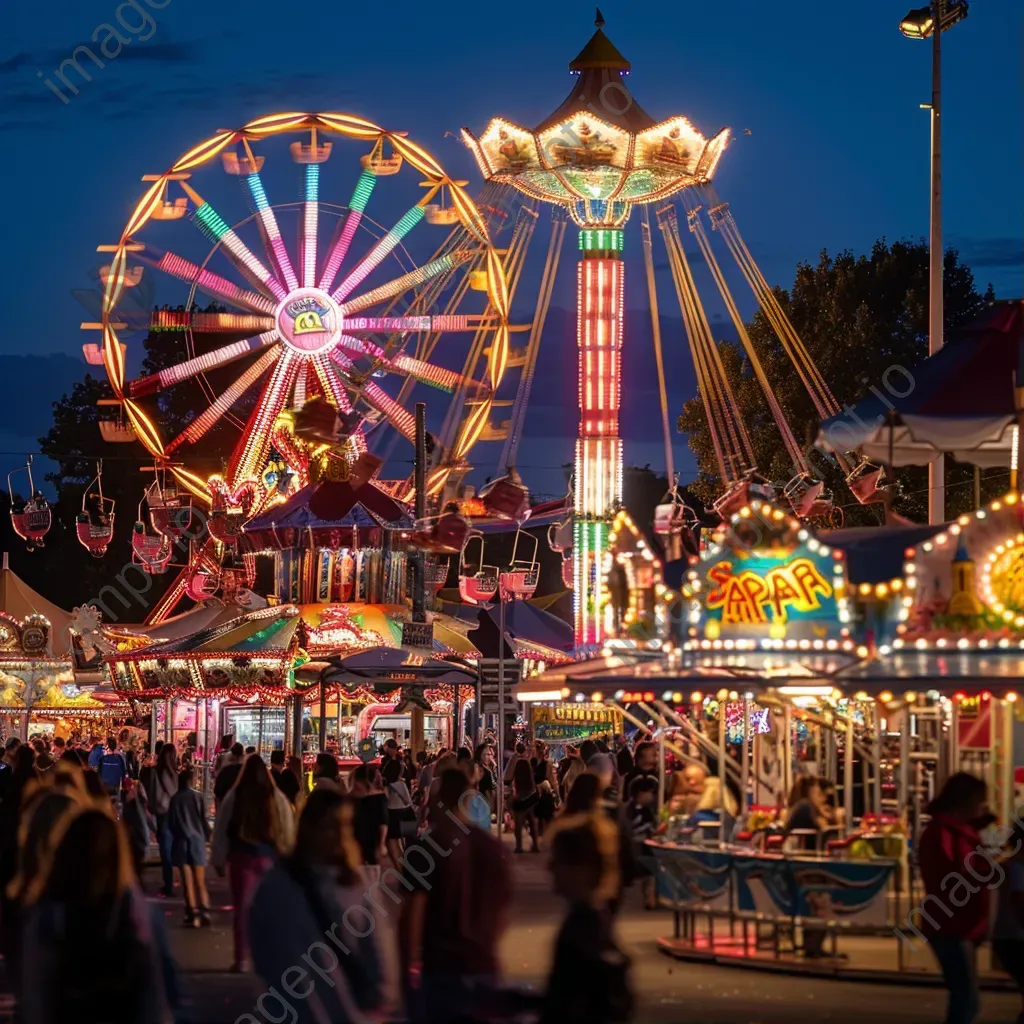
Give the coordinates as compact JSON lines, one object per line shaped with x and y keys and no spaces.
{"x":312,"y":299}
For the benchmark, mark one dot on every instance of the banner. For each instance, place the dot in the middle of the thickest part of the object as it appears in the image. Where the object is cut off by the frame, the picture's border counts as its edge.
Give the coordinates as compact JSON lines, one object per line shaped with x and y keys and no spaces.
{"x":774,"y":884}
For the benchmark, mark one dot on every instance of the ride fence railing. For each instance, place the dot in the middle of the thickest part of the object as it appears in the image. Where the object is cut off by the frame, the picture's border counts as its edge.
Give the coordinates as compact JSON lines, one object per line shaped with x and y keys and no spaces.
{"x":779,"y":902}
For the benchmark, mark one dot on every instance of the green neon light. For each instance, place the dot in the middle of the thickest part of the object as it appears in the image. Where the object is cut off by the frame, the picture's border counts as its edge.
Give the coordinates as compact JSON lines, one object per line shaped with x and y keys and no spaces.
{"x":210,"y":221}
{"x":363,"y":191}
{"x":602,"y":240}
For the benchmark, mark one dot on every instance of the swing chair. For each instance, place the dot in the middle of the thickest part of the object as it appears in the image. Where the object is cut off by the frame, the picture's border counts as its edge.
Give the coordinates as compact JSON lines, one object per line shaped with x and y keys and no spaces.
{"x":477,"y":587}
{"x":170,"y":510}
{"x":867,"y":481}
{"x":447,"y":536}
{"x":96,"y":529}
{"x":522,"y":576}
{"x":31,"y":519}
{"x":151,"y":552}
{"x":507,"y":497}
{"x":435,"y":573}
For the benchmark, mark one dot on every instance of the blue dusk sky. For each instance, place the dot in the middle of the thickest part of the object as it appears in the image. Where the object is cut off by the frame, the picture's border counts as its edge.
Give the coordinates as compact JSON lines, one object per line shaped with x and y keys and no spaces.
{"x":836,"y":155}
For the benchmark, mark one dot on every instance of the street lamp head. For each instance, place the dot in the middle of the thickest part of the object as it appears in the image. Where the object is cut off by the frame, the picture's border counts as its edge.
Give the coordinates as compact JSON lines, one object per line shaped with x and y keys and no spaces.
{"x":920,"y":22}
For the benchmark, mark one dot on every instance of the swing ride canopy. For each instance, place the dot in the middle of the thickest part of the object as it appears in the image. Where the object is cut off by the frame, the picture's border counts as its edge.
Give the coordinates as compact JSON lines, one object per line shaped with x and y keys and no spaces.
{"x":961,"y":400}
{"x":599,"y":151}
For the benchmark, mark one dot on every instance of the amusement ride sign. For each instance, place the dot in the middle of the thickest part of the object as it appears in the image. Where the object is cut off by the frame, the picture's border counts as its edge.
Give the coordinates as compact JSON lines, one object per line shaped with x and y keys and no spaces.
{"x":783,"y":593}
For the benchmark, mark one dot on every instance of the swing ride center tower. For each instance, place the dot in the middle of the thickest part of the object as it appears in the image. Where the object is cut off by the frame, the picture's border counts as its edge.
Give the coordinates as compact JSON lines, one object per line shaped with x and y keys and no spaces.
{"x":598,"y":155}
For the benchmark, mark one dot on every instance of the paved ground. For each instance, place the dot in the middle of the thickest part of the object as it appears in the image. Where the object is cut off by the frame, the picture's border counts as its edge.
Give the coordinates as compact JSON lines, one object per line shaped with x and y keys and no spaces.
{"x":669,"y":991}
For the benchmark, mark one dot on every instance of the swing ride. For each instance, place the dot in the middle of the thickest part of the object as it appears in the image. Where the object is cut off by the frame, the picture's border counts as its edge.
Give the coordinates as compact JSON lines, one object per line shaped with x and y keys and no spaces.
{"x":593,"y":162}
{"x":31,"y":518}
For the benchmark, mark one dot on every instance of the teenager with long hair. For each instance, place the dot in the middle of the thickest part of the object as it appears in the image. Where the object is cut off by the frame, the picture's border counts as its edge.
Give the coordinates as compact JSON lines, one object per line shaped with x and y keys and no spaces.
{"x":92,"y":949}
{"x":524,"y":804}
{"x":316,"y":895}
{"x":255,"y":824}
{"x":165,"y":785}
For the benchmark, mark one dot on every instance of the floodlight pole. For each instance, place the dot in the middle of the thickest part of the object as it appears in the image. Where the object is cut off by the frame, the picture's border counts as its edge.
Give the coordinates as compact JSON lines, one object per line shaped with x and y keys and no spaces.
{"x":419,"y":585}
{"x":937,"y":467}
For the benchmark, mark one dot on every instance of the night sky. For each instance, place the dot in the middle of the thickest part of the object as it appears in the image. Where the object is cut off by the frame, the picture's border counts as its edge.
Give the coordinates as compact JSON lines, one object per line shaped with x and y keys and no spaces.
{"x":837,"y":154}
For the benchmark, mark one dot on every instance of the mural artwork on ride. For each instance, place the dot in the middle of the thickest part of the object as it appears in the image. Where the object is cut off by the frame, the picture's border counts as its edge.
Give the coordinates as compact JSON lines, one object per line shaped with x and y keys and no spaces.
{"x":789,"y":592}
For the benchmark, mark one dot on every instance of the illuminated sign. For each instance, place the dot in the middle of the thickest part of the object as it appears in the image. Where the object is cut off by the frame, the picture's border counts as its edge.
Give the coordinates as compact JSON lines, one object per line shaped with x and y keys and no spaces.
{"x":791,"y":593}
{"x":753,"y":598}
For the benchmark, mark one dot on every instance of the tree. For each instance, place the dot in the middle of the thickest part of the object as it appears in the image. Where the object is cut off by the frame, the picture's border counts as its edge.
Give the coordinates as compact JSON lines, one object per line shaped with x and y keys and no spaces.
{"x":858,"y":316}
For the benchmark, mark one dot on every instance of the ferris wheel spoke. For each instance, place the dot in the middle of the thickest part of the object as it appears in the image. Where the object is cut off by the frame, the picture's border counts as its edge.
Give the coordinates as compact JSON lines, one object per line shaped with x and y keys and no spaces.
{"x":276,"y":247}
{"x":442,"y":322}
{"x":380,"y":252}
{"x":356,"y":208}
{"x":400,"y":418}
{"x":442,"y":265}
{"x":172,"y":375}
{"x":206,"y":281}
{"x":428,"y":373}
{"x":223,"y":404}
{"x":248,"y":459}
{"x":331,"y":384}
{"x":208,"y":323}
{"x":310,"y":220}
{"x":210,"y":222}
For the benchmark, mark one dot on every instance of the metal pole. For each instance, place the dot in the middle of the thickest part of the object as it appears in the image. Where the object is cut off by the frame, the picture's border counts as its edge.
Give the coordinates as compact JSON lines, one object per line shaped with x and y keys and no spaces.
{"x":323,"y":715}
{"x":848,"y":777}
{"x":456,"y":731}
{"x":419,"y":588}
{"x":787,"y":752}
{"x":722,"y":769}
{"x":904,"y":777}
{"x":745,"y":767}
{"x":937,"y":467}
{"x":501,"y":711}
{"x":876,"y":757}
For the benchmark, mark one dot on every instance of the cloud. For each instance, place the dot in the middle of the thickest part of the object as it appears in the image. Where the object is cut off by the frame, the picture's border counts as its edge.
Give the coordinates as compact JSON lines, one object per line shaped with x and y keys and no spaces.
{"x":159,"y":53}
{"x":19,"y":60}
{"x":991,"y":252}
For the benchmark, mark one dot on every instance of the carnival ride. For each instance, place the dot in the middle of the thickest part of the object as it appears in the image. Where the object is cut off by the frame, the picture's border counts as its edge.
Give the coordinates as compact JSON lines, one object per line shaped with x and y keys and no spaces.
{"x":593,"y":161}
{"x":305,"y":321}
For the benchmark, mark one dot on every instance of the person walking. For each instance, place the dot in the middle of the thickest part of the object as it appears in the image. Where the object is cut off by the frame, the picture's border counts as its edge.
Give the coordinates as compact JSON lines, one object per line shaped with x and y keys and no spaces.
{"x":946,"y":845}
{"x":305,"y":903}
{"x":371,"y":819}
{"x":190,"y":831}
{"x":92,"y":948}
{"x":401,"y":813}
{"x":165,"y":785}
{"x":229,"y":772}
{"x":255,"y":823}
{"x":113,"y":770}
{"x":452,"y":922}
{"x":524,"y":804}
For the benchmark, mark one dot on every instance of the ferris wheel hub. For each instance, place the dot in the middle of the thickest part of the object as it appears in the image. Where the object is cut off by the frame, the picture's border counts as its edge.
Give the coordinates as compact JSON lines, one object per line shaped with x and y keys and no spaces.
{"x":309,"y":321}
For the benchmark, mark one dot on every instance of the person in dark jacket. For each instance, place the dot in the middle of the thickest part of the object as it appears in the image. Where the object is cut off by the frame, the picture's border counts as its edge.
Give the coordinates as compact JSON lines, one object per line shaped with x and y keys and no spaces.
{"x":112,"y":769}
{"x":947,"y":846}
{"x":228,"y":775}
{"x":589,"y":980}
{"x":190,"y":830}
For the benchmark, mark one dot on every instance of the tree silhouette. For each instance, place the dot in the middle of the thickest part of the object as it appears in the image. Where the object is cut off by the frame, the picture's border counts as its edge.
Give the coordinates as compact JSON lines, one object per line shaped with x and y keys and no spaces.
{"x":858,"y":316}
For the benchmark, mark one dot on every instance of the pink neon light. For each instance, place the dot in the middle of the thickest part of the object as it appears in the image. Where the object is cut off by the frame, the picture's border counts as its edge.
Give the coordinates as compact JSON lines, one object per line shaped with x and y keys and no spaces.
{"x":401,"y":419}
{"x":269,"y":407}
{"x":237,"y":248}
{"x":210,"y":282}
{"x":340,"y":250}
{"x":200,"y":364}
{"x":374,"y":258}
{"x":277,"y":245}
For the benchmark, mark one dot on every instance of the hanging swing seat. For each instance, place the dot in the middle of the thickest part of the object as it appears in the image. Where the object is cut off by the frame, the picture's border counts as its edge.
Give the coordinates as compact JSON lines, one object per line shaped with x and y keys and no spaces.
{"x":867,"y":482}
{"x":480,"y":587}
{"x":802,"y":493}
{"x":478,"y":280}
{"x":380,"y":165}
{"x":32,"y":520}
{"x":447,"y":537}
{"x":752,"y":487}
{"x":445,"y":216}
{"x":152,"y":553}
{"x":568,"y":573}
{"x":173,"y":210}
{"x":131,"y":278}
{"x":303,"y":153}
{"x":95,"y":534}
{"x":506,"y":498}
{"x":235,"y":164}
{"x":173,"y":516}
{"x":560,"y":536}
{"x":520,"y":580}
{"x":435,"y":573}
{"x":201,"y":586}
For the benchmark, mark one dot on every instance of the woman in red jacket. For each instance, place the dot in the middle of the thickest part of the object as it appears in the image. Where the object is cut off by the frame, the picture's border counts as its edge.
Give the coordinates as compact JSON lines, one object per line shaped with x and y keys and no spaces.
{"x":955,"y":912}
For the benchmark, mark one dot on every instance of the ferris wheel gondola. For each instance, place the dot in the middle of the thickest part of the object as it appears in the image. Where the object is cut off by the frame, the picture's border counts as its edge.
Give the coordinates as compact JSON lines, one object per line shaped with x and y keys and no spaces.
{"x":31,"y":518}
{"x":477,"y":587}
{"x":520,"y":579}
{"x":95,"y":529}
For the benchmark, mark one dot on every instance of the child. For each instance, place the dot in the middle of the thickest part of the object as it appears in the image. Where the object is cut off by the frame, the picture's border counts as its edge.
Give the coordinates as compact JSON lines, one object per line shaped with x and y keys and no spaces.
{"x":190,"y":830}
{"x":585,"y":948}
{"x":642,"y":823}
